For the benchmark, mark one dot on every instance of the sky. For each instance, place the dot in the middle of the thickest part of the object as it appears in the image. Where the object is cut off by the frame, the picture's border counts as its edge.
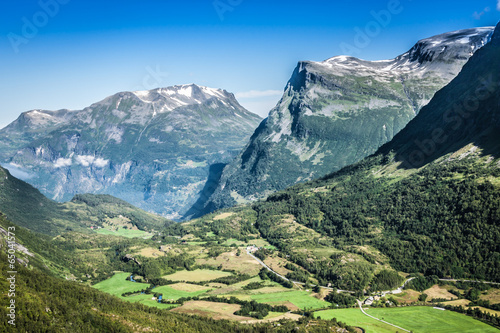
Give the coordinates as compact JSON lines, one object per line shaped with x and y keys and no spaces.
{"x":58,"y":54}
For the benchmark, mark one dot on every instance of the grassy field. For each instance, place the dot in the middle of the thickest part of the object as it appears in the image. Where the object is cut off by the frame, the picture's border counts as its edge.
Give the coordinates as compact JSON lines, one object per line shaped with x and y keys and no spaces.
{"x":492,"y":295}
{"x":301,"y":299}
{"x":117,"y":285}
{"x":147,"y":300}
{"x":439,"y":292}
{"x":230,"y":261}
{"x":354,"y":317}
{"x":170,"y":293}
{"x":417,"y":319}
{"x":407,"y":296}
{"x":197,"y":275}
{"x":125,"y":233}
{"x":212,"y":310}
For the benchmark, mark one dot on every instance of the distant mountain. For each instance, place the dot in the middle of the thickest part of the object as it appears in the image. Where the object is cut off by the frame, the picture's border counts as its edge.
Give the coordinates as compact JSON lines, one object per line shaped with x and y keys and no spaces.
{"x":151,"y":148}
{"x":334,"y":113}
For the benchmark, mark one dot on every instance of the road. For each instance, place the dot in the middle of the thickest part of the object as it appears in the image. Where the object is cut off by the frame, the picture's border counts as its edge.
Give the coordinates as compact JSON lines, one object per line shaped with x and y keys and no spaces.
{"x":476,"y":281}
{"x":383,"y":321}
{"x":397,"y":291}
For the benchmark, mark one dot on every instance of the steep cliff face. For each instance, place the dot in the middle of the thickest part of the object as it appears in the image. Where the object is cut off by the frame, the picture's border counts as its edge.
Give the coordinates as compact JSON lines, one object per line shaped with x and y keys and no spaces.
{"x":150,"y":148}
{"x":334,"y":113}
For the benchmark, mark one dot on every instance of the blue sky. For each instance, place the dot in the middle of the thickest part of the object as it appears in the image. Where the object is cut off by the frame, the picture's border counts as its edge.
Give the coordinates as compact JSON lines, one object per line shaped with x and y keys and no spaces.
{"x":70,"y":53}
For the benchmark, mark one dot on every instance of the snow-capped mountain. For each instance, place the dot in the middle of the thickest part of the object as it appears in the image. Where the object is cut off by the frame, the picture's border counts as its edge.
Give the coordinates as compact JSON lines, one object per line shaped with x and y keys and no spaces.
{"x":334,"y":113}
{"x":152,"y":148}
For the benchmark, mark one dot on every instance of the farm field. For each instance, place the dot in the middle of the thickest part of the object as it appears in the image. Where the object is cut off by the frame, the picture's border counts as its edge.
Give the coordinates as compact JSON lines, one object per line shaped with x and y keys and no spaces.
{"x":197,"y":275}
{"x":174,"y":294}
{"x":117,"y":285}
{"x":125,"y":233}
{"x":354,"y":317}
{"x":301,"y":299}
{"x":211,"y":310}
{"x":439,"y":292}
{"x":492,"y":295}
{"x":417,"y":319}
{"x":147,"y":300}
{"x":407,"y":296}
{"x":231,"y":261}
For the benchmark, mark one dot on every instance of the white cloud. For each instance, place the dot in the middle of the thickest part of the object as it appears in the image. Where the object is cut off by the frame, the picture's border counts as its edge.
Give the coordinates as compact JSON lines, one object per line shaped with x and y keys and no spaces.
{"x":498,"y":5}
{"x":258,"y":93}
{"x":63,"y":162}
{"x":87,"y":160}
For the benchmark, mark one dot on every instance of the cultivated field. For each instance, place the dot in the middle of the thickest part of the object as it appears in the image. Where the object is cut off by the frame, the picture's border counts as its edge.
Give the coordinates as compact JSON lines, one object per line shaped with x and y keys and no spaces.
{"x":301,"y":299}
{"x":197,"y":275}
{"x":117,"y":285}
{"x":169,"y":293}
{"x":125,"y":233}
{"x":438,"y":292}
{"x":354,"y":317}
{"x":212,"y":310}
{"x":492,"y":295}
{"x":417,"y":319}
{"x":407,"y":296}
{"x":230,"y":261}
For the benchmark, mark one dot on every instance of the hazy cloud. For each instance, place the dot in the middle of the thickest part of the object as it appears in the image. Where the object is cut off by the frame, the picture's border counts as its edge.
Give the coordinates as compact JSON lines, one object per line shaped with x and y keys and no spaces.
{"x":477,"y":15}
{"x":258,"y":93}
{"x":18,"y":171}
{"x":498,"y":5}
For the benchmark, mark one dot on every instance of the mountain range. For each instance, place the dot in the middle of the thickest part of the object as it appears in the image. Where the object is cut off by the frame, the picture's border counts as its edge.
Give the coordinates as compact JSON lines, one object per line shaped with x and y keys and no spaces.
{"x":154,"y":149}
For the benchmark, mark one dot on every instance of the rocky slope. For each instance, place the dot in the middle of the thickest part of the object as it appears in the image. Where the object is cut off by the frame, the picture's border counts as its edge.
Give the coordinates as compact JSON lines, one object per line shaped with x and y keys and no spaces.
{"x":334,"y":113}
{"x":152,"y":148}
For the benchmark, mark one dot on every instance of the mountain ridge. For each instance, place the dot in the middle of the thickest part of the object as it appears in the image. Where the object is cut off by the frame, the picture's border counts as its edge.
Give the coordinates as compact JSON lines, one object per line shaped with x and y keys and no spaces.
{"x":335,"y":112}
{"x":151,"y":148}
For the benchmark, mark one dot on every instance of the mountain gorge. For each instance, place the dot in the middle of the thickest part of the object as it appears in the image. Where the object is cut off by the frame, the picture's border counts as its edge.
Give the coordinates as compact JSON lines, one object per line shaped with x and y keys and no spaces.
{"x":334,"y":113}
{"x":153,"y":149}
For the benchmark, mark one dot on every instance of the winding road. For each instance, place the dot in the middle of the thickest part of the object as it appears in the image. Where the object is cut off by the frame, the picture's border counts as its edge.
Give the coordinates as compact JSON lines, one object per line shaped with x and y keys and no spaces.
{"x":294,"y":282}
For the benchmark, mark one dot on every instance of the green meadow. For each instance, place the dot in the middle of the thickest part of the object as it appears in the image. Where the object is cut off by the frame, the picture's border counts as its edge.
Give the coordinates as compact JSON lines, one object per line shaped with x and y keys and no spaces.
{"x":421,"y":319}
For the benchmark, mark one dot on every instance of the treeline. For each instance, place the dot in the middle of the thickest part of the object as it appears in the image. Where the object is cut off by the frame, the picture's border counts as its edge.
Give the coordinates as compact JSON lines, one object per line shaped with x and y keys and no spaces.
{"x":386,"y":280}
{"x":476,"y":313}
{"x":340,"y":300}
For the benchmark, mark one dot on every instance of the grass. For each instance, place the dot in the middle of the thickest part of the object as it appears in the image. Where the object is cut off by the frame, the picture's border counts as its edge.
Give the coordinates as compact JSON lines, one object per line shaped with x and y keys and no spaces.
{"x":301,"y":299}
{"x":125,"y":233}
{"x":354,"y":317}
{"x":439,"y":292}
{"x":223,"y":216}
{"x":147,"y":300}
{"x":492,"y":295}
{"x":230,"y":261}
{"x":407,"y":296}
{"x":181,"y":286}
{"x":417,"y":319}
{"x":170,"y":293}
{"x":211,"y":310}
{"x":196,"y":275}
{"x":117,"y":285}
